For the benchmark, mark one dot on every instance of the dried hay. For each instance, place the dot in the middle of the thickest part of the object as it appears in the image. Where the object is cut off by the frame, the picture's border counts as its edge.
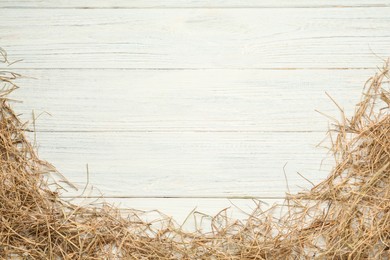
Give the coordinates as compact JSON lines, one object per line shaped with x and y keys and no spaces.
{"x":347,"y":216}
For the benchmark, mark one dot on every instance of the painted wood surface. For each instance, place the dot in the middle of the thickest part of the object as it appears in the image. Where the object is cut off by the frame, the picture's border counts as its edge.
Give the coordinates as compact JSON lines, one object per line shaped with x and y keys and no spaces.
{"x":178,"y":104}
{"x":189,"y":213}
{"x":191,"y":3}
{"x":278,"y":38}
{"x":186,"y":100}
{"x":186,"y":164}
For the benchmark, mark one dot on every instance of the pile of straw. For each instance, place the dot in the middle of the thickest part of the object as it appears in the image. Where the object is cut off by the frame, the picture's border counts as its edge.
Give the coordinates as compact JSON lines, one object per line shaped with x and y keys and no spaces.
{"x":347,"y":216}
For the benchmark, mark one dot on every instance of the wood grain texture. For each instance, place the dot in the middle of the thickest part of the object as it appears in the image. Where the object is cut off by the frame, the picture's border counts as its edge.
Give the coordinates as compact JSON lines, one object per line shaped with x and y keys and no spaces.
{"x":186,"y":212}
{"x":186,"y":101}
{"x":180,"y":104}
{"x":190,"y":4}
{"x":186,"y":164}
{"x":278,"y":38}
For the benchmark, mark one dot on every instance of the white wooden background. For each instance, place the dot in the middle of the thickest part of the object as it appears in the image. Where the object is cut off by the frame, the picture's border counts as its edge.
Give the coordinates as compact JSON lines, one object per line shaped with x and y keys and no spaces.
{"x":177,"y":104}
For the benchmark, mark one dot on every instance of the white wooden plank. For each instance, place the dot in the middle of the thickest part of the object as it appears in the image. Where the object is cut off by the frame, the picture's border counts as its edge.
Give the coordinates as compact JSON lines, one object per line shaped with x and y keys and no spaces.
{"x":197,"y":38}
{"x":194,"y":101}
{"x":154,"y":209}
{"x":186,"y":164}
{"x":189,"y":4}
{"x":189,"y":214}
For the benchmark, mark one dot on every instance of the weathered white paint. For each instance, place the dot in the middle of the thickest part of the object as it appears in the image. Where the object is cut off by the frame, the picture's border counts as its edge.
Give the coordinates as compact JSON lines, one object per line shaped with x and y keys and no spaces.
{"x":191,"y":3}
{"x":186,"y":164}
{"x":276,"y":38}
{"x":193,"y":100}
{"x":190,"y":101}
{"x":189,"y":213}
